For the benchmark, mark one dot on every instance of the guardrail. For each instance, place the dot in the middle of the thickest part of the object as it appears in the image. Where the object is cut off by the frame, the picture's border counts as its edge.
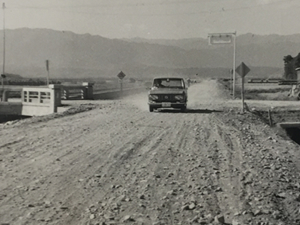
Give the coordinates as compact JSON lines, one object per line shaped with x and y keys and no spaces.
{"x":267,"y":80}
{"x":117,"y":94}
{"x":84,"y":91}
{"x":289,"y":82}
{"x":37,"y":101}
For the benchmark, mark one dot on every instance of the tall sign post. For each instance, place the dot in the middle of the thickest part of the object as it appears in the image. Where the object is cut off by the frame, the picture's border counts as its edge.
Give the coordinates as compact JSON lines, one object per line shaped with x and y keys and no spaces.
{"x":225,"y":38}
{"x":3,"y":76}
{"x":121,"y":76}
{"x":242,"y":70}
{"x":3,"y":68}
{"x":47,"y":68}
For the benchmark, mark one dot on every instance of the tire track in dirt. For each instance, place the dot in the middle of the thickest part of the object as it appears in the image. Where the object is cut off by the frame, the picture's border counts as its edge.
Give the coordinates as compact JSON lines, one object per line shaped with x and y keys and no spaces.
{"x":229,"y":166}
{"x":148,"y":153}
{"x":165,"y":210}
{"x":157,"y":156}
{"x":121,"y":164}
{"x":67,"y":148}
{"x":117,"y":168}
{"x":110,"y":148}
{"x":206,"y":150}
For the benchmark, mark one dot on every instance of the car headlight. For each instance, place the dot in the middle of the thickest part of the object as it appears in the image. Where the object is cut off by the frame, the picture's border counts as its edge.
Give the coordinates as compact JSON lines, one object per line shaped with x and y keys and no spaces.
{"x":179,"y":97}
{"x":153,"y":97}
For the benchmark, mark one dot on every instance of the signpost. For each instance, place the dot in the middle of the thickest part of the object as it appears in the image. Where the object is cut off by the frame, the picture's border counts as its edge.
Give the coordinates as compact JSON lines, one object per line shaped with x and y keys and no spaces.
{"x":242,"y":70}
{"x":121,"y":76}
{"x":3,"y":76}
{"x":3,"y":68}
{"x":47,"y":68}
{"x":225,"y":38}
{"x":2,"y":80}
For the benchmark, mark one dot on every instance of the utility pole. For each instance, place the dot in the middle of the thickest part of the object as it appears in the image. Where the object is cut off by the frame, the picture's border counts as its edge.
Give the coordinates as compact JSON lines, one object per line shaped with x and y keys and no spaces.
{"x":233,"y":69}
{"x":47,"y":68}
{"x":3,"y":69}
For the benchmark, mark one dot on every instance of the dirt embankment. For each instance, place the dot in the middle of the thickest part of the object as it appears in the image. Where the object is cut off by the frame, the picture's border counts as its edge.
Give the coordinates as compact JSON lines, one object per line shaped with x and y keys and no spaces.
{"x":117,"y":163}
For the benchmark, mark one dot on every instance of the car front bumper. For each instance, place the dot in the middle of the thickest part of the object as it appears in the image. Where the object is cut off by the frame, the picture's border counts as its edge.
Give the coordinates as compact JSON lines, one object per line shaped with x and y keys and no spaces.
{"x":167,"y":105}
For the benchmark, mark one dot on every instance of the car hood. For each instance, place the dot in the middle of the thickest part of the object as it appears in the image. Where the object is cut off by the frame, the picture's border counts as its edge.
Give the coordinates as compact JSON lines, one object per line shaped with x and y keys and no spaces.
{"x":167,"y":91}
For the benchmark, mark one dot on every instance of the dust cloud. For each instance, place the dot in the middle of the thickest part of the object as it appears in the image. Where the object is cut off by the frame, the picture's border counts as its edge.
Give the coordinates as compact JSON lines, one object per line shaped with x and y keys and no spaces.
{"x":207,"y":94}
{"x":139,"y":100}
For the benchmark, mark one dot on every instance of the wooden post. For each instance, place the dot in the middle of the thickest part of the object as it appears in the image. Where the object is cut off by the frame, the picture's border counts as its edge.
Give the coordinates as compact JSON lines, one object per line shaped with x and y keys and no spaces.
{"x":121,"y":75}
{"x":233,"y":69}
{"x":47,"y":68}
{"x":48,"y":78}
{"x":242,"y":93}
{"x":270,"y":118}
{"x":121,"y":85}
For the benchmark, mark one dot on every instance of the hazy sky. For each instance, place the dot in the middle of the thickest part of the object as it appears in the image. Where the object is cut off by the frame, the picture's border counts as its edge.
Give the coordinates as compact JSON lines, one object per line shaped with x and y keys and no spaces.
{"x":168,"y":19}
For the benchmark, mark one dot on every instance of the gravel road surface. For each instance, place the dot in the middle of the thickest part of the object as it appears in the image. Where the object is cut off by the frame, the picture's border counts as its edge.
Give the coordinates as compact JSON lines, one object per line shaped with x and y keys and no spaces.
{"x":117,"y":163}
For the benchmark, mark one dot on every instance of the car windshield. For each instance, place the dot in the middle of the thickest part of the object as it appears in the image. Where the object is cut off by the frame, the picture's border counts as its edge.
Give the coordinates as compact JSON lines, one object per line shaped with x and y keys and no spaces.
{"x":168,"y":83}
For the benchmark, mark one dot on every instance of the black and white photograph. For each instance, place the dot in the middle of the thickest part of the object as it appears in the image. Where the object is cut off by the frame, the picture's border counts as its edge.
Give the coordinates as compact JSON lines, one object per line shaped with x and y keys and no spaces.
{"x":149,"y":112}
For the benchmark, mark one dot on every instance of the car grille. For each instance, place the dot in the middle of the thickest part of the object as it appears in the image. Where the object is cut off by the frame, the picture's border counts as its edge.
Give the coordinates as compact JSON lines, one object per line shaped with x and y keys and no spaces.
{"x":166,"y":98}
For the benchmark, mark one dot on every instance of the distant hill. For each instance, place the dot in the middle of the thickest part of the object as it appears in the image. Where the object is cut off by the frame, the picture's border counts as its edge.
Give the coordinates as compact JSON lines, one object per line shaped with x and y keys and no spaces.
{"x":241,"y":40}
{"x":83,"y":55}
{"x":255,"y":50}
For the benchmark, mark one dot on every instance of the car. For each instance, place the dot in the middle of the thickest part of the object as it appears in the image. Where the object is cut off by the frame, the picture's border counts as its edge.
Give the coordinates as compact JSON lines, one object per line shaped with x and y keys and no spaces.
{"x":168,"y":92}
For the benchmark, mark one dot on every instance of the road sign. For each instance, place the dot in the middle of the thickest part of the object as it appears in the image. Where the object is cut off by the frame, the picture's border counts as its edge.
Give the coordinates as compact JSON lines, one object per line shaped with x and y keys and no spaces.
{"x":225,"y":38}
{"x":242,"y":69}
{"x":220,"y":38}
{"x":121,"y":75}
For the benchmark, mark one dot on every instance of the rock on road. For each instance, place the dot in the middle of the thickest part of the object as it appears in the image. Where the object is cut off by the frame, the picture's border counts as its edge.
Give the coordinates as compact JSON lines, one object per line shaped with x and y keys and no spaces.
{"x":120,"y":164}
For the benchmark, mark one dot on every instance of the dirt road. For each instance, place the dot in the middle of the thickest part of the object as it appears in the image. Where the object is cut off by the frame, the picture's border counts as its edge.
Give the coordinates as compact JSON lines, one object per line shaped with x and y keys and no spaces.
{"x":120,"y":164}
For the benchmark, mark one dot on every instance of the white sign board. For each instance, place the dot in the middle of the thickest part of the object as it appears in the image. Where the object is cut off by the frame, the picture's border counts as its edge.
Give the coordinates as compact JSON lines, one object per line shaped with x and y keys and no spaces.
{"x":220,"y":39}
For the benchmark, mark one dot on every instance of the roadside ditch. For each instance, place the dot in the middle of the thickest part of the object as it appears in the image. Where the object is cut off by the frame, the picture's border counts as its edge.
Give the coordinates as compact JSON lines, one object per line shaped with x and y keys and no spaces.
{"x":288,"y":121}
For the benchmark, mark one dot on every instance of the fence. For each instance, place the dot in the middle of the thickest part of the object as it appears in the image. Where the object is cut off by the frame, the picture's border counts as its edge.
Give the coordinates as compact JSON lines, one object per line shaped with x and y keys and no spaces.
{"x":84,"y":91}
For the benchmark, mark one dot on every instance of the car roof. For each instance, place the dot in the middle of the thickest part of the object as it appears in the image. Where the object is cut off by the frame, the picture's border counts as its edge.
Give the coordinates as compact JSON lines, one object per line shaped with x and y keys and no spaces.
{"x":168,"y":78}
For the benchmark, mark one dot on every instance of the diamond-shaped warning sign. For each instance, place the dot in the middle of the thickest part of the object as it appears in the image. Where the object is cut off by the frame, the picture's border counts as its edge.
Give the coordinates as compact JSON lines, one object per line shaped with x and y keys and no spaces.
{"x":121,"y":75}
{"x":242,"y":69}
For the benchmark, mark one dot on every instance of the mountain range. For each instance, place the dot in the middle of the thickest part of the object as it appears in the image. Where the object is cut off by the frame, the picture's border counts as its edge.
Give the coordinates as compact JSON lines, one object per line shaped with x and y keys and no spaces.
{"x":74,"y":55}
